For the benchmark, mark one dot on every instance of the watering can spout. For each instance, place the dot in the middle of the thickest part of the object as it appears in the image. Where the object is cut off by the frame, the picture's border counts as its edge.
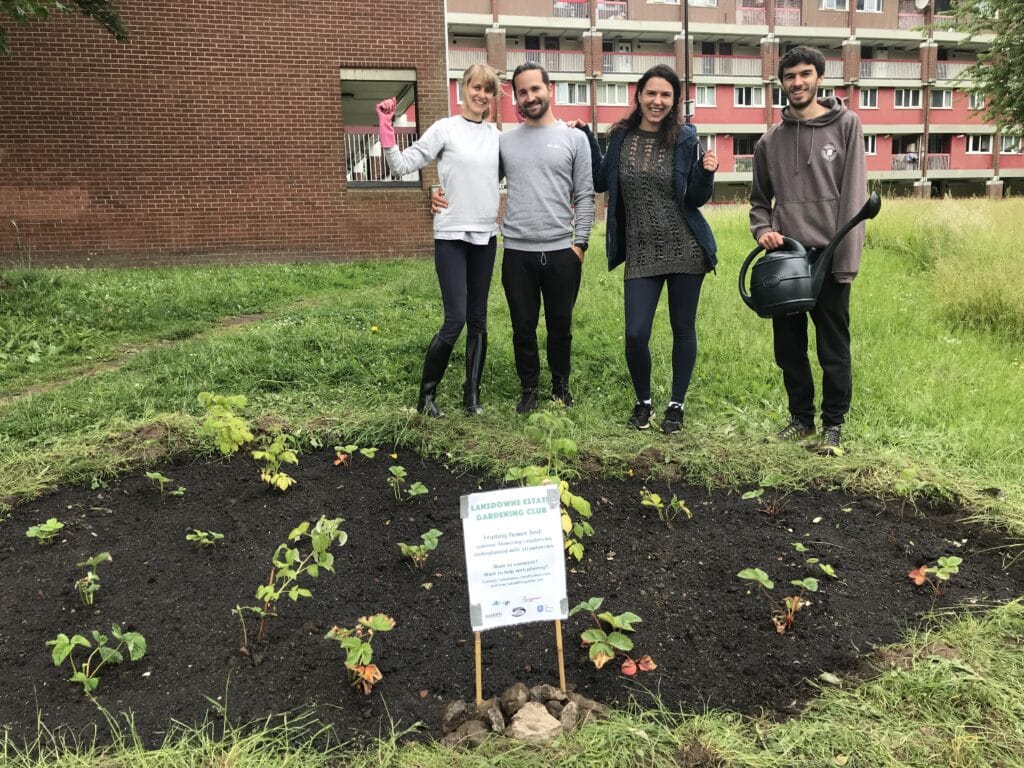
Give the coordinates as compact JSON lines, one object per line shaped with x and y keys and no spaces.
{"x":822,"y":264}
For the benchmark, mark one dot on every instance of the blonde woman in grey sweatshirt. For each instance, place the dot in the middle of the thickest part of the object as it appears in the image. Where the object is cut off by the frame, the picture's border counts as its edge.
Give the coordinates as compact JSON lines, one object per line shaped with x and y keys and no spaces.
{"x":466,"y":149}
{"x":809,"y":180}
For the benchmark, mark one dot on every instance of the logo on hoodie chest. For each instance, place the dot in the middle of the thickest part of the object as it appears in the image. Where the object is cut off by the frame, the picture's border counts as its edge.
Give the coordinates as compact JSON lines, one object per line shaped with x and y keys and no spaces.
{"x":829,"y":152}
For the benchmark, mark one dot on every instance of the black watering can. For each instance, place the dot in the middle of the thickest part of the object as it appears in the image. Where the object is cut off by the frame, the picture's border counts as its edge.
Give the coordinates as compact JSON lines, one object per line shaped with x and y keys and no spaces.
{"x":788,"y":280}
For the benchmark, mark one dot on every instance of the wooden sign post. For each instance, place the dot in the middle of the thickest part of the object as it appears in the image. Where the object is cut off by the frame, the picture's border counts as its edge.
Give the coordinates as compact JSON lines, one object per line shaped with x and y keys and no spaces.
{"x":515,"y":564}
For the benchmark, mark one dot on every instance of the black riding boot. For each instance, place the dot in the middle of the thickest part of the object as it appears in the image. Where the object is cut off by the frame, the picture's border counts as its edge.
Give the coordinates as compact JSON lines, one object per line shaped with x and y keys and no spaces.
{"x":434,"y":366}
{"x":476,"y":353}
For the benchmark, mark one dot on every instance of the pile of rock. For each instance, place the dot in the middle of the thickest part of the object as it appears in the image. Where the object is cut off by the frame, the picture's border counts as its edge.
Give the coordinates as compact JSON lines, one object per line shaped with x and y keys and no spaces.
{"x":539,"y":713}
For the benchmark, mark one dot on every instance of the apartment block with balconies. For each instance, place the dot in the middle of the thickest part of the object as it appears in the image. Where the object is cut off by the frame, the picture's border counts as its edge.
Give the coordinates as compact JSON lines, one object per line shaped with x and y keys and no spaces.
{"x":923,"y":132}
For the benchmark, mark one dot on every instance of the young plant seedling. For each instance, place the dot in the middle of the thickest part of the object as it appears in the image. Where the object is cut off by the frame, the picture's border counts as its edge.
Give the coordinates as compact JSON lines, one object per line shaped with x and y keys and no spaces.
{"x":666,"y":512}
{"x":101,"y":654}
{"x":938,"y":575}
{"x":608,"y":639}
{"x":784,"y":612}
{"x":222,"y":424}
{"x":89,"y":585}
{"x":204,"y":538}
{"x":289,"y":563}
{"x":344,"y":454}
{"x":355,"y":642}
{"x":397,"y":483}
{"x":46,"y":533}
{"x":162,"y":481}
{"x":548,"y":428}
{"x":418,"y":553}
{"x":273,"y":454}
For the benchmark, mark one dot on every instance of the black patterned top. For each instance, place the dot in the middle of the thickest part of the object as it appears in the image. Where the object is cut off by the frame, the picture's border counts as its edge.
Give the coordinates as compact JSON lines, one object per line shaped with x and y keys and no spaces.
{"x":658,"y":239}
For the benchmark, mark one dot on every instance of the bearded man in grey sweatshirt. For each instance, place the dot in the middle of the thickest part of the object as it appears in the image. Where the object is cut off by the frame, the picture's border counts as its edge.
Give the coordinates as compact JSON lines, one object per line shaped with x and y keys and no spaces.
{"x":809,"y":180}
{"x":546,"y":228}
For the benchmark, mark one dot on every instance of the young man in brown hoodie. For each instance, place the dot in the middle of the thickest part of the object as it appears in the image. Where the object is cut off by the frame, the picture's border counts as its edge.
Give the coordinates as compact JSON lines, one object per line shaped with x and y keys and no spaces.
{"x":809,"y":180}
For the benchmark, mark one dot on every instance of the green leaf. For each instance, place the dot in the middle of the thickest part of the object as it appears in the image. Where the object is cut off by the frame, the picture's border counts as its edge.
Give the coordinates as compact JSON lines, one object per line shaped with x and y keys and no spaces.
{"x":799,"y":547}
{"x":811,"y":585}
{"x":753,"y":494}
{"x":590,"y":605}
{"x":828,"y":570}
{"x":756,"y":575}
{"x":136,"y":644}
{"x":593,"y":636}
{"x":110,"y":655}
{"x":620,"y":641}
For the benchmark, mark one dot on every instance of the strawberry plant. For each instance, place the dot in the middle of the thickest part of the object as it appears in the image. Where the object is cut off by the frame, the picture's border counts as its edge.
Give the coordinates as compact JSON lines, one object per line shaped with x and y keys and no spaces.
{"x":666,"y":512}
{"x":784,"y":612}
{"x":356,"y":643}
{"x":938,"y":575}
{"x":344,"y":454}
{"x":222,"y":424}
{"x":89,"y":584}
{"x":548,"y":428}
{"x":163,"y":481}
{"x":418,"y":553}
{"x":289,"y":563}
{"x":397,"y":483}
{"x":204,"y":538}
{"x":46,"y":533}
{"x":101,"y":653}
{"x":608,"y":639}
{"x":273,"y":453}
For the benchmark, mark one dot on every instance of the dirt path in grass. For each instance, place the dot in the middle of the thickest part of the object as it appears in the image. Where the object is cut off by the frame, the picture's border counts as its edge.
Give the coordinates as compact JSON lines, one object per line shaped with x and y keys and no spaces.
{"x":711,"y":636}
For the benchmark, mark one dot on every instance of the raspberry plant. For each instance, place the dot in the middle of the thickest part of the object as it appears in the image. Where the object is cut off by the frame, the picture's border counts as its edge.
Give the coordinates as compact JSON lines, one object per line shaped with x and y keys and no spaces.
{"x":608,"y":639}
{"x":89,"y":584}
{"x":418,"y":553}
{"x":101,"y":653}
{"x":356,"y":643}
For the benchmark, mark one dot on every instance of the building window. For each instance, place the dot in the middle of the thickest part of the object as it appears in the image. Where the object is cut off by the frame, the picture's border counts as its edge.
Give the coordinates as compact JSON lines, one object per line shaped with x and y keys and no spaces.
{"x":613,"y":94}
{"x":572,"y":93}
{"x":779,"y":98}
{"x":826,"y":92}
{"x":361,"y":89}
{"x":871,"y":6}
{"x":1009,"y":145}
{"x":705,"y":96}
{"x":871,"y":144}
{"x":869,"y":98}
{"x":709,"y":142}
{"x":907,"y":98}
{"x":942,"y":99}
{"x":832,"y":5}
{"x":976,"y":101}
{"x":979,"y":144}
{"x":704,"y":3}
{"x":743,"y":144}
{"x":749,"y":96}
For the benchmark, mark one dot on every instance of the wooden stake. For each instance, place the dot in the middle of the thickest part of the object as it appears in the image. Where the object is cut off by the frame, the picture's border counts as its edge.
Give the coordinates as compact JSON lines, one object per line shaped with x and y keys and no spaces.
{"x":561,"y":656}
{"x":479,"y":671}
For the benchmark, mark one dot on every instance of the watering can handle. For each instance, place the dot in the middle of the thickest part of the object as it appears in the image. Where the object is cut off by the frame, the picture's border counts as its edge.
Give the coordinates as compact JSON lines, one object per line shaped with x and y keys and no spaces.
{"x":788,"y":244}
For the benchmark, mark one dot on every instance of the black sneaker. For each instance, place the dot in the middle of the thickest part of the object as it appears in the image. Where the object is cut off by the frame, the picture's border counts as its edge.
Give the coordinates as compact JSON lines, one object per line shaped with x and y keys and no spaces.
{"x":641,"y":418}
{"x":527,"y":400}
{"x":795,"y":430}
{"x":562,"y":395}
{"x":831,"y":443}
{"x":673,"y":420}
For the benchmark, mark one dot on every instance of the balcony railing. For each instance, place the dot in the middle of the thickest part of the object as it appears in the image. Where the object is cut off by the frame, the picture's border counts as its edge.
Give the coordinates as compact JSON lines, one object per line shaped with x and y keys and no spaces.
{"x":460,"y":58}
{"x":950,"y":70}
{"x":748,"y":14}
{"x":889,"y":69}
{"x":743,"y":163}
{"x":606,"y":9}
{"x":635,"y":63}
{"x":908,"y":162}
{"x":364,"y":157}
{"x":553,"y":61}
{"x":938,"y":162}
{"x":910,"y":20}
{"x":570,"y":9}
{"x":834,"y":69}
{"x":749,"y":66}
{"x":787,"y":13}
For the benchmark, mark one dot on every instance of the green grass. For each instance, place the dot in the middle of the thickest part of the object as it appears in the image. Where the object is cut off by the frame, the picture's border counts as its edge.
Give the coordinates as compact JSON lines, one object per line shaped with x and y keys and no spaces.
{"x":937,"y":317}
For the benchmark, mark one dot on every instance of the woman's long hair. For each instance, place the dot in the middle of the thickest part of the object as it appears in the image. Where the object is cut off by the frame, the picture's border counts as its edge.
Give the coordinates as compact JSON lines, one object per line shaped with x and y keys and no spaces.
{"x":668,"y":130}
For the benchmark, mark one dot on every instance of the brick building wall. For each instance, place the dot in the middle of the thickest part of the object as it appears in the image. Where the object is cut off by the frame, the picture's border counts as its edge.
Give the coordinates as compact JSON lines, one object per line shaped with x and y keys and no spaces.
{"x":214,"y":134}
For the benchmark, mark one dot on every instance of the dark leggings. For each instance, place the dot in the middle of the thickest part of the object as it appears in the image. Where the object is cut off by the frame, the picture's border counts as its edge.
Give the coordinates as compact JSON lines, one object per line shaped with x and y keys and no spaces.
{"x":642,"y":295}
{"x":464,"y":273}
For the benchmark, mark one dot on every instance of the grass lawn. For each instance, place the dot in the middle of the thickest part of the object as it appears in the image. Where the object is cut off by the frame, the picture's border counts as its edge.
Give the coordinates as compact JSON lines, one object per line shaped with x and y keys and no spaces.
{"x":99,"y":371}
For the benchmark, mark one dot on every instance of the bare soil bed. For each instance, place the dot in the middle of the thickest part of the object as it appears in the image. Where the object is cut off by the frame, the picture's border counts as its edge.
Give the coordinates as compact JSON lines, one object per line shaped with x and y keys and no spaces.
{"x":711,"y":636}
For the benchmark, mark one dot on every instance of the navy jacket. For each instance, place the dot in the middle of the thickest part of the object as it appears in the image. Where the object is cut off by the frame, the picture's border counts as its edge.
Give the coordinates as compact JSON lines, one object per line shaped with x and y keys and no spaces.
{"x":693,"y":186}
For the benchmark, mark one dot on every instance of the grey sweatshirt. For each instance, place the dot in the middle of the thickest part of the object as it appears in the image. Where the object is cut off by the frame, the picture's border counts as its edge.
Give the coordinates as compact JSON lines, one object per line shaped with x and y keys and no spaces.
{"x":810,"y":178}
{"x":467,"y":166}
{"x":548,"y":171}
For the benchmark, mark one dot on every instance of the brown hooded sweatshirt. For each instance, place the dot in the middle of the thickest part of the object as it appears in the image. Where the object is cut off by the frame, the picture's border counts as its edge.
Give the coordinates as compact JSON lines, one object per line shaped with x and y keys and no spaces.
{"x":810,"y":179}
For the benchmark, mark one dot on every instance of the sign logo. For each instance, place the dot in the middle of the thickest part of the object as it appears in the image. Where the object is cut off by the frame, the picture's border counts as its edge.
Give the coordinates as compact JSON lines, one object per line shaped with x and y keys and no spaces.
{"x":518,"y":611}
{"x":829,"y":152}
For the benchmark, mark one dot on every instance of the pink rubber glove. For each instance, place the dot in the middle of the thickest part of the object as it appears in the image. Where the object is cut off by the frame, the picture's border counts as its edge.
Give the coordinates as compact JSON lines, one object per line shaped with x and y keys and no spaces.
{"x":385,"y":111}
